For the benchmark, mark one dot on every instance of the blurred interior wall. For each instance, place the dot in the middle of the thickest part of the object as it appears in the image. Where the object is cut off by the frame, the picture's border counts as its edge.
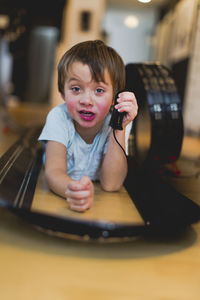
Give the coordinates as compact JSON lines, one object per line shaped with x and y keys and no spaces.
{"x":133,"y":42}
{"x":81,"y":21}
{"x":177,"y":46}
{"x":192,"y":97}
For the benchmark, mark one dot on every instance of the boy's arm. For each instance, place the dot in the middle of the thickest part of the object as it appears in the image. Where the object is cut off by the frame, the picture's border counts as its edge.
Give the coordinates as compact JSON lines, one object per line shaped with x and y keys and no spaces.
{"x":114,"y":167}
{"x":56,"y":167}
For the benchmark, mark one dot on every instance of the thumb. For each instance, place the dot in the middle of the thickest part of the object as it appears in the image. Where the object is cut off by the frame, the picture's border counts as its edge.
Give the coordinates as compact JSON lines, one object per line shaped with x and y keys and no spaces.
{"x":85,"y":180}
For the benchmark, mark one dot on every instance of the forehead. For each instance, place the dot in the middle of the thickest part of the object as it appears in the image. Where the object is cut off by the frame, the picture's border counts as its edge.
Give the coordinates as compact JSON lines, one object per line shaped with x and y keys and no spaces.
{"x":81,"y":71}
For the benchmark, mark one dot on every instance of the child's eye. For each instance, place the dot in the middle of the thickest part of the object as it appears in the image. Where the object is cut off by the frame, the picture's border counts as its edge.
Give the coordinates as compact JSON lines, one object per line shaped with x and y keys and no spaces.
{"x":99,"y":90}
{"x":75,"y":89}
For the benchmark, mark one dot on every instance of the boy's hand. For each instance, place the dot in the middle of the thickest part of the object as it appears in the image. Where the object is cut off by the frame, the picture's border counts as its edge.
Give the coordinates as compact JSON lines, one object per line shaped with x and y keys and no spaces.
{"x":127,"y":103}
{"x":79,"y":194}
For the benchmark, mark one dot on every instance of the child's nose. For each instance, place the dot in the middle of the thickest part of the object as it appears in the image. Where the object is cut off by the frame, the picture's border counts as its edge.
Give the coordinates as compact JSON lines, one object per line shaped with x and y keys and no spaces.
{"x":86,"y":99}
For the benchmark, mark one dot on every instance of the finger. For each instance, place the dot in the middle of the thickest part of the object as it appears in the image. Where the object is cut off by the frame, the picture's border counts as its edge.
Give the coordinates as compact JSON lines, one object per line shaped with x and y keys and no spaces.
{"x":79,"y":202}
{"x":127,"y":107}
{"x":77,"y":194}
{"x":127,"y":101}
{"x":124,"y":104}
{"x":79,"y":208}
{"x":85,"y":181}
{"x":75,"y":186}
{"x":126,"y":96}
{"x":80,"y":184}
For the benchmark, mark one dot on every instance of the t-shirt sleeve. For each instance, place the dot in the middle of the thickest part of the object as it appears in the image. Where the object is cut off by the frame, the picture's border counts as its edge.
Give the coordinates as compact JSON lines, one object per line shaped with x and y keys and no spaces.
{"x":56,"y":127}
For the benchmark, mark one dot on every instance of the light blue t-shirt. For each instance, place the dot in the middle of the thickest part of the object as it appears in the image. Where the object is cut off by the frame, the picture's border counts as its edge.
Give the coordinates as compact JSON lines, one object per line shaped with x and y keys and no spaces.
{"x":82,"y":158}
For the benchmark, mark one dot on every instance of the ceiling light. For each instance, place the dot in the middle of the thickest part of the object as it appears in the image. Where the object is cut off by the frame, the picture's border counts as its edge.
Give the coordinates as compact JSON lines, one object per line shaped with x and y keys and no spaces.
{"x":144,"y":1}
{"x":131,"y":21}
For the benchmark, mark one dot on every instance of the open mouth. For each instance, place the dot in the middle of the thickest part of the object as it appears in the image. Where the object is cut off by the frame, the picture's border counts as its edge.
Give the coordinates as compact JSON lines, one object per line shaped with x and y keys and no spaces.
{"x":87,"y":115}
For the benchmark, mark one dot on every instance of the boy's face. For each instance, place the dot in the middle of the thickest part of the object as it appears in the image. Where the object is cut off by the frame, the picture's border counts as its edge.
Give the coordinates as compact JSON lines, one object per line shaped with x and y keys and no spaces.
{"x":88,"y":102}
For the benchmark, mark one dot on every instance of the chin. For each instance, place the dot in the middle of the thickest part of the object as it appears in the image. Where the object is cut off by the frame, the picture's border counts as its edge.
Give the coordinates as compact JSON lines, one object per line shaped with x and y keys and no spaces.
{"x":85,"y":124}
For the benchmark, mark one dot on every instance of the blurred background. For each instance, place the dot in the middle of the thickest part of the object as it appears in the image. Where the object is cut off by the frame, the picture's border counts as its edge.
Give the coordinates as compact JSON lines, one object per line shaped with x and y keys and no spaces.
{"x":34,"y":34}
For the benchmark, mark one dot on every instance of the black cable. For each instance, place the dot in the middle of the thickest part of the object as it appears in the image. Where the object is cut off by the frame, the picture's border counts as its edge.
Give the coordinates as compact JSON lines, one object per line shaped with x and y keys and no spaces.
{"x":119,"y":143}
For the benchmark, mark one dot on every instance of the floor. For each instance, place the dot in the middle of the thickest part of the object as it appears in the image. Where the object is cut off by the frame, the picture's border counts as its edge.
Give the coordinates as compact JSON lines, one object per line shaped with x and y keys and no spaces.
{"x":37,"y":265}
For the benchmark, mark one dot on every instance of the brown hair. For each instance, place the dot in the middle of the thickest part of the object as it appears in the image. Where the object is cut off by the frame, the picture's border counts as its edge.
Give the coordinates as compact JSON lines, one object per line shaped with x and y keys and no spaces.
{"x":98,"y":56}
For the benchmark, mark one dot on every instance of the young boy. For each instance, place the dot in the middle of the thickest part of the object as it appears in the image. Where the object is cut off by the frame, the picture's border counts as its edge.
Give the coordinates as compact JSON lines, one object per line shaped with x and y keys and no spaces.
{"x":80,"y":147}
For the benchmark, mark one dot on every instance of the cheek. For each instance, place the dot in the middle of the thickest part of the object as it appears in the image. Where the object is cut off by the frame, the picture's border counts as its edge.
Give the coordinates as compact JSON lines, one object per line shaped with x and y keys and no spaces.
{"x":71,"y":106}
{"x":104,"y":108}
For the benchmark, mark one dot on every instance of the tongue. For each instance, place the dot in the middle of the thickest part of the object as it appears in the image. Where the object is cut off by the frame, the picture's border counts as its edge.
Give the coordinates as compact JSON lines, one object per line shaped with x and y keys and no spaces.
{"x":87,"y":116}
{"x":86,"y":113}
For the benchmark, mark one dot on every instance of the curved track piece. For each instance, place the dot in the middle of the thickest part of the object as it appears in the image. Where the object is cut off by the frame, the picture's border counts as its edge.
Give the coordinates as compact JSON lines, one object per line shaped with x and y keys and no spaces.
{"x":19,"y":169}
{"x":158,"y":128}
